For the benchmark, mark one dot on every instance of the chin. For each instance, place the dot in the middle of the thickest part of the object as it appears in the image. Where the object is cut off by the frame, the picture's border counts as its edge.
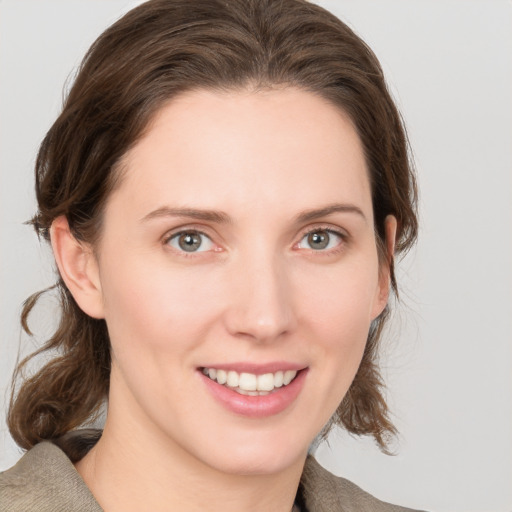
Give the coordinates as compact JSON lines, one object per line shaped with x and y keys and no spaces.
{"x":258,"y":465}
{"x":257,"y":457}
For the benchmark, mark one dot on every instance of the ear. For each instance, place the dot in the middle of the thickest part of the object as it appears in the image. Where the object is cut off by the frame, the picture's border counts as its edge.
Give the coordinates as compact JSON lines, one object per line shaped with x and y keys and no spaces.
{"x":78,"y":268}
{"x":390,"y":226}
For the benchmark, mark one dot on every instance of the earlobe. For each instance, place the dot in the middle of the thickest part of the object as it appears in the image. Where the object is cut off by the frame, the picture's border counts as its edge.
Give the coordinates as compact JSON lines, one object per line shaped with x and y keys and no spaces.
{"x":390,"y":224}
{"x":78,"y":268}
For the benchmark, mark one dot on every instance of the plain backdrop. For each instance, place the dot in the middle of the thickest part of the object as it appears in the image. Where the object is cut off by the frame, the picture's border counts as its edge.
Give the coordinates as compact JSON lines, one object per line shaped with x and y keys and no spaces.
{"x":448,"y":357}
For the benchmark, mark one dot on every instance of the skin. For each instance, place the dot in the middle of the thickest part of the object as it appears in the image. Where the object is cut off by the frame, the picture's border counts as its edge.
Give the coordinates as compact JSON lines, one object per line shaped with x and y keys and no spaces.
{"x":256,"y":291}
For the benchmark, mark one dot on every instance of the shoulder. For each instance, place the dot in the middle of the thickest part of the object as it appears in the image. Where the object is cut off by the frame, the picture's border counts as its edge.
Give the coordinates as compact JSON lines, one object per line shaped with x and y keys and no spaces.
{"x":324,"y":492}
{"x":44,"y":479}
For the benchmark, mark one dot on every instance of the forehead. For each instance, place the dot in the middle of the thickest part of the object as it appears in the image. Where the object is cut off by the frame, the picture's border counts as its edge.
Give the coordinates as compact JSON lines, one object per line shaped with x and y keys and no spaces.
{"x":281,"y":146}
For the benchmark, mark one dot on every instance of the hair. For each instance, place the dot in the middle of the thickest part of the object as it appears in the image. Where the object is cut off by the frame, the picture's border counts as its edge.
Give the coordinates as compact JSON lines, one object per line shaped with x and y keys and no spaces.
{"x":156,"y":51}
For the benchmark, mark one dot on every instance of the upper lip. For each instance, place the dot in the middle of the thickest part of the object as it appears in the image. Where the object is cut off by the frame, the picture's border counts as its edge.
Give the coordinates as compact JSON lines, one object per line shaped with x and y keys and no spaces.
{"x":256,"y":368}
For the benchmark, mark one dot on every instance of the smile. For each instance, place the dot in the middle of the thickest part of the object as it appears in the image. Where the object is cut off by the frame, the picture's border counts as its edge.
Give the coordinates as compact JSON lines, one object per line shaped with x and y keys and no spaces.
{"x":255,"y":391}
{"x":249,"y":383}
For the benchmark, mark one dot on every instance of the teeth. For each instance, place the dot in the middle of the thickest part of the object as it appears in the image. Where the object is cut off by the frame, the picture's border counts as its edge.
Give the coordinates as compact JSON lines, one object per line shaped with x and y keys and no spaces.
{"x":222,"y":377}
{"x":249,"y":383}
{"x":278,"y":379}
{"x":288,"y":377}
{"x":266,"y":382}
{"x":251,"y":393}
{"x":233,"y":379}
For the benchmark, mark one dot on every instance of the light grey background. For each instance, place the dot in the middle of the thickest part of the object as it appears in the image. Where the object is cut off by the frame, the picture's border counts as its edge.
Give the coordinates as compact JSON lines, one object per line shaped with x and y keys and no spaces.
{"x":449,"y":65}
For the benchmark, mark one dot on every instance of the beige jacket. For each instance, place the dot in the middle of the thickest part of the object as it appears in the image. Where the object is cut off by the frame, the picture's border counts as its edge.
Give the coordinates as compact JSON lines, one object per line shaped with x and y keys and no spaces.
{"x":45,"y":480}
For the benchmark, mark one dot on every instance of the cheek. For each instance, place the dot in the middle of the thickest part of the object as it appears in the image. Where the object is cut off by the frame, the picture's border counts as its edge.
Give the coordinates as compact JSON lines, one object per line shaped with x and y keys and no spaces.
{"x":153,"y":316}
{"x":154,"y":308}
{"x":340,"y":330}
{"x":340,"y":297}
{"x":337,"y":314}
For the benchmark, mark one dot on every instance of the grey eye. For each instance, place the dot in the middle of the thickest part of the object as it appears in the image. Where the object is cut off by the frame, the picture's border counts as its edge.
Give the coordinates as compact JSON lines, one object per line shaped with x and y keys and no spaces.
{"x":320,"y":239}
{"x":190,"y":241}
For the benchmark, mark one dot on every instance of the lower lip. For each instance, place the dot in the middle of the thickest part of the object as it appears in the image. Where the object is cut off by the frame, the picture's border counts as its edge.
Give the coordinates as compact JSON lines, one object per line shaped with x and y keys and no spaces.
{"x":260,"y":406}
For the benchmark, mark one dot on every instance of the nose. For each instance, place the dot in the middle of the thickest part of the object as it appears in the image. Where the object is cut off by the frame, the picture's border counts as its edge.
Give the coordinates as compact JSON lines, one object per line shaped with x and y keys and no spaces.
{"x":261,"y":303}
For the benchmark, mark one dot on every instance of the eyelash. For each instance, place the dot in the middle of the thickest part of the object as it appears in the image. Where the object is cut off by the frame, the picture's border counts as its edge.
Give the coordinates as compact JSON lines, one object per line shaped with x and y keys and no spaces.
{"x":316,"y":229}
{"x":325,"y":229}
{"x":192,"y":231}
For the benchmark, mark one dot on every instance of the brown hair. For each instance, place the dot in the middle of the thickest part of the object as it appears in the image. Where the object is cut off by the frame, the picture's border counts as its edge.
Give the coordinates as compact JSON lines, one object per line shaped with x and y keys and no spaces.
{"x":153,"y":53}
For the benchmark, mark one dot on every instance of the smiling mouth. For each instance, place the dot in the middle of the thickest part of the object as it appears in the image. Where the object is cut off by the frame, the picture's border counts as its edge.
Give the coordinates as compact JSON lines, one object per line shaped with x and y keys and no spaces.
{"x":251,"y":384}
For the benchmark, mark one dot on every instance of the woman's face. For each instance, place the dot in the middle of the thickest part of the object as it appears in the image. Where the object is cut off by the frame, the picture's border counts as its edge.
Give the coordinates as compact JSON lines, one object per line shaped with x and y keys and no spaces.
{"x":239,"y":243}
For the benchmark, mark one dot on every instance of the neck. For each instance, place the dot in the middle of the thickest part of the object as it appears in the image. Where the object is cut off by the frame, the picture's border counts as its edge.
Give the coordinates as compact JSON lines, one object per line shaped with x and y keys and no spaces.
{"x":134,"y":468}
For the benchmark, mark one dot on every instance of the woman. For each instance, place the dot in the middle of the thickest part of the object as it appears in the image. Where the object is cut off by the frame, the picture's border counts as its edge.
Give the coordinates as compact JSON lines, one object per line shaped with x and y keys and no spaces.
{"x":224,"y":192}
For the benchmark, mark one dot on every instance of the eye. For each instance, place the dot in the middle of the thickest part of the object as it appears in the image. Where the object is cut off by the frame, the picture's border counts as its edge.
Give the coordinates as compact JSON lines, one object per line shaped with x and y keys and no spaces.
{"x":190,"y":241}
{"x":320,"y":240}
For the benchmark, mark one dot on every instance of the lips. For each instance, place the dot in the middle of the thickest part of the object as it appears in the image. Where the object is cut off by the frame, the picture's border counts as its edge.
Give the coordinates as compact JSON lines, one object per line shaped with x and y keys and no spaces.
{"x":254,"y":391}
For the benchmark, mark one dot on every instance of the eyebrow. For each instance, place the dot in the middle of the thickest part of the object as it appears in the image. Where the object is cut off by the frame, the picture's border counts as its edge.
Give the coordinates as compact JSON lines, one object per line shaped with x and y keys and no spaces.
{"x":309,"y":215}
{"x":193,"y":213}
{"x":221,"y":217}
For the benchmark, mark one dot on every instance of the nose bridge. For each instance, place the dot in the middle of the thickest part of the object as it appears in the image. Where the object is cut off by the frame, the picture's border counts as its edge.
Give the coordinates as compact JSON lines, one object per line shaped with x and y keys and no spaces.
{"x":261,"y":306}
